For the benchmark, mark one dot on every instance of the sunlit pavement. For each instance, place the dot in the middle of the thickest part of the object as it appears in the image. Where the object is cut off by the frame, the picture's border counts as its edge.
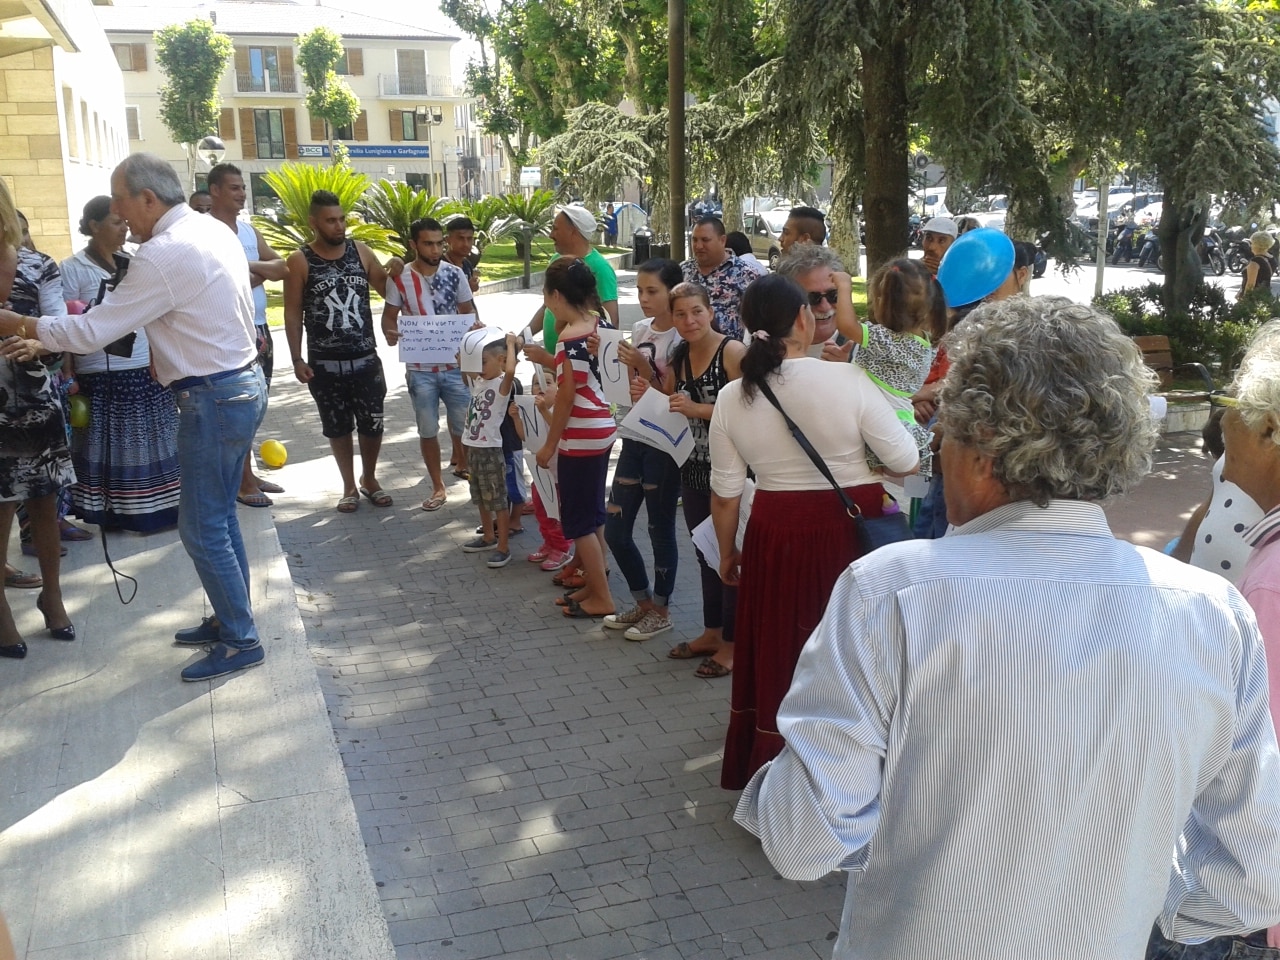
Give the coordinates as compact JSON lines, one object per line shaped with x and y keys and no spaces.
{"x":516,"y":784}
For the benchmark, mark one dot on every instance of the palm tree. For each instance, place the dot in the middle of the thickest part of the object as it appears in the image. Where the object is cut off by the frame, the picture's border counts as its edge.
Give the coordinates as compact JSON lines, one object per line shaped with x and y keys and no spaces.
{"x":491,"y":218}
{"x":294,"y":183}
{"x":396,"y":205}
{"x":536,"y":212}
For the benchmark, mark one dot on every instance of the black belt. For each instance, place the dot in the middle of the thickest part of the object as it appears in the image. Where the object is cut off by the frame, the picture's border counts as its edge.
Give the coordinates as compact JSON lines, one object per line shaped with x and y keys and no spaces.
{"x":211,"y":379}
{"x":346,"y":365}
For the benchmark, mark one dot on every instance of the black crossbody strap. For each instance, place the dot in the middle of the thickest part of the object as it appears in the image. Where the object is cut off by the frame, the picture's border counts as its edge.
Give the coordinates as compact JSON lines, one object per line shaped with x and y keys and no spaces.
{"x":850,"y":507}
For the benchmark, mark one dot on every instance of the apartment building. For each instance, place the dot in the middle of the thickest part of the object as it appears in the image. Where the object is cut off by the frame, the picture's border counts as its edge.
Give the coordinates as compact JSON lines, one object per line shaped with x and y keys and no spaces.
{"x":62,"y":118}
{"x":414,"y":124}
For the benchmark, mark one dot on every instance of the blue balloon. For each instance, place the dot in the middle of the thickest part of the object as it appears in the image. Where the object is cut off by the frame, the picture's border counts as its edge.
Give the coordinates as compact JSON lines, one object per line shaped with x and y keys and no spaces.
{"x":975,"y":266}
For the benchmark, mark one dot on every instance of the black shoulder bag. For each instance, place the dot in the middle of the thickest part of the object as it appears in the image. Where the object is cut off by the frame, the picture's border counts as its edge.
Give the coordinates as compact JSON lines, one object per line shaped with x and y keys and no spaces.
{"x":872,"y":532}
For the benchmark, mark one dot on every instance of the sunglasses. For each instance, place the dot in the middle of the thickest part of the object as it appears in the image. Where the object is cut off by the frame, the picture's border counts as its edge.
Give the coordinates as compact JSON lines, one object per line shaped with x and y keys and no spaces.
{"x":1222,"y":400}
{"x":831,"y":296}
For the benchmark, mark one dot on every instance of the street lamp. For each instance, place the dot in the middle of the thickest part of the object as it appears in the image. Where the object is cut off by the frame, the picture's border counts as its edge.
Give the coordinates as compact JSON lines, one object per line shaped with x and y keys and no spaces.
{"x":431,"y":117}
{"x":211,"y":150}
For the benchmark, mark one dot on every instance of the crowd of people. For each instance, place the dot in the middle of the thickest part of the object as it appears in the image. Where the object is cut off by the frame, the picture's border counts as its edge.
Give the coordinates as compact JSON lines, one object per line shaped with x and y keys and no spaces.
{"x":971,"y":724}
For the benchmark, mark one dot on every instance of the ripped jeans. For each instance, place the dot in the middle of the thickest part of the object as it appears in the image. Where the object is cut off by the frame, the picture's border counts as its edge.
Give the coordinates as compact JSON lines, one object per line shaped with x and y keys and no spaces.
{"x":644,"y":476}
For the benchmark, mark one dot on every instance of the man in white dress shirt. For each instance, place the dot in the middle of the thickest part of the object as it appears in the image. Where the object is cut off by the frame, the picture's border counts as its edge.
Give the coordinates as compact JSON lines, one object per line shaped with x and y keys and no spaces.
{"x":188,"y":284}
{"x":1028,"y":735}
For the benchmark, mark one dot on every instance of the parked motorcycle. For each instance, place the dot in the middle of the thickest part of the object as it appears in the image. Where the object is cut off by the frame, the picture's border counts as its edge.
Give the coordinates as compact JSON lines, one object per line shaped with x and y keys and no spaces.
{"x":1210,"y":250}
{"x":1149,"y":253}
{"x":1238,"y":251}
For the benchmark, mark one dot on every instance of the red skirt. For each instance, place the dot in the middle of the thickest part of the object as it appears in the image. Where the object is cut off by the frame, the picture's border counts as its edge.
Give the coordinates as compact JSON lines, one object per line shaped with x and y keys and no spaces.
{"x":796,"y":546}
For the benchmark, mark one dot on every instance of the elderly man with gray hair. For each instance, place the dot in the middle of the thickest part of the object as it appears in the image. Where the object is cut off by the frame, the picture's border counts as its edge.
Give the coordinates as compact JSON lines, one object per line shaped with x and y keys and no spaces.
{"x":1029,"y":732}
{"x":820,"y":273}
{"x":188,"y":284}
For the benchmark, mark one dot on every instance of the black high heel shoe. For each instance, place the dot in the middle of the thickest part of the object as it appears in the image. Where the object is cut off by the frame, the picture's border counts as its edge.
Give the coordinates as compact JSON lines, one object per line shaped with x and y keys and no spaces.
{"x":58,"y":633}
{"x":14,"y":651}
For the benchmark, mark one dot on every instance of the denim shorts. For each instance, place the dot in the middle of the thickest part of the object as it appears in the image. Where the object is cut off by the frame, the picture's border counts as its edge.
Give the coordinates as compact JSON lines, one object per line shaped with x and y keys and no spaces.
{"x":427,"y":389}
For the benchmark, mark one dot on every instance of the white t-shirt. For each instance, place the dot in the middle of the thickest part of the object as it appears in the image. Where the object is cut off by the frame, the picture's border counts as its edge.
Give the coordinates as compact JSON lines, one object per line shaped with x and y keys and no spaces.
{"x":248,"y":238}
{"x":839,"y":410}
{"x":656,"y":345}
{"x":1220,"y":546}
{"x":485,"y":415}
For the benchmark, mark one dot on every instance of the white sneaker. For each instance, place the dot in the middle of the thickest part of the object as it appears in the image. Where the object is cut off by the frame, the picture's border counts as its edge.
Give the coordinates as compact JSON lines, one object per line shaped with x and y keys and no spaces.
{"x":624,"y":621}
{"x":652,"y":624}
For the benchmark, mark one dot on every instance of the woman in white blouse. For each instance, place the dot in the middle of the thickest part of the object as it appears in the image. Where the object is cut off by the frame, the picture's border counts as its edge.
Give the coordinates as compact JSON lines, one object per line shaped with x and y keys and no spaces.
{"x":799,"y":538}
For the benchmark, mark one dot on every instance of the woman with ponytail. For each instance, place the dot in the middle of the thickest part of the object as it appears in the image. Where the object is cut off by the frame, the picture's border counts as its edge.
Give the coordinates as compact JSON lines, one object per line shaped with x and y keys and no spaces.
{"x":799,"y":538}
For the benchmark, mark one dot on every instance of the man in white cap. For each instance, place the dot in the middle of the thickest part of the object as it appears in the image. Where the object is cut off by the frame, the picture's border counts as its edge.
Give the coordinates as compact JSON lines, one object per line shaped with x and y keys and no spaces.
{"x":572,"y":231}
{"x":939,"y":234}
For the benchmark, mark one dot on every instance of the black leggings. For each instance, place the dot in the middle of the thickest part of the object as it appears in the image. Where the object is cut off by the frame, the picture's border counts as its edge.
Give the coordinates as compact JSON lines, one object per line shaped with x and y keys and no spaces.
{"x":718,"y":601}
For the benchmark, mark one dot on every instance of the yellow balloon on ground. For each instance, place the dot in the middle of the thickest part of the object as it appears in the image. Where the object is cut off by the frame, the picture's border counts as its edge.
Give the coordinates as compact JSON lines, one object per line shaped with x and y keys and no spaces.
{"x":273,"y":453}
{"x":79,"y":411}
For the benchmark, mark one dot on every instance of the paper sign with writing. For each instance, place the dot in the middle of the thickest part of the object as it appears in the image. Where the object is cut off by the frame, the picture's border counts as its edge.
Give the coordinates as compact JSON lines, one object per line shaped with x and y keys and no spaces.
{"x":535,"y":435}
{"x":614,"y":374}
{"x":473,"y":344}
{"x":651,"y":421}
{"x":432,"y":339}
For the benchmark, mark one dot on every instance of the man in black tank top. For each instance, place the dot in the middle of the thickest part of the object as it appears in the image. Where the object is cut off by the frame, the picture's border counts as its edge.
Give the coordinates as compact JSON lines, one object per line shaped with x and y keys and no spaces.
{"x":327,"y":295}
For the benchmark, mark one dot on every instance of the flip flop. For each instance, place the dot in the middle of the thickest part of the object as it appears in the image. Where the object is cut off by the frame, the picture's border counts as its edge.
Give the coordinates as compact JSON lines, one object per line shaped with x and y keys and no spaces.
{"x":712,"y":670}
{"x":434,"y":504}
{"x":573,"y":610}
{"x":379,"y":497}
{"x":565,"y":599}
{"x":255,"y":500}
{"x":348,"y":504}
{"x":266,"y":486}
{"x":462,"y":474}
{"x":72,"y":532}
{"x":22,"y":580}
{"x":682,"y":651}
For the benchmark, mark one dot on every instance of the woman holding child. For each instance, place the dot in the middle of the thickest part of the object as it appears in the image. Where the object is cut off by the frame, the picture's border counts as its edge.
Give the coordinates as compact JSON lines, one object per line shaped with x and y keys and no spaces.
{"x":581,"y":431}
{"x":799,"y":538}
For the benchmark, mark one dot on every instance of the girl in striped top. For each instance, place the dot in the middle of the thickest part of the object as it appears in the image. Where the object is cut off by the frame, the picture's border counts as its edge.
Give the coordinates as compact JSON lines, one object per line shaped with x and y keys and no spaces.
{"x":581,"y":432}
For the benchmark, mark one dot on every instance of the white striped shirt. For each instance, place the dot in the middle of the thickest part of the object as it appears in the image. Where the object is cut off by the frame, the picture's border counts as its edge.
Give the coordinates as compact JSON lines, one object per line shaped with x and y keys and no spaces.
{"x":1028,"y":736}
{"x":189,"y":286}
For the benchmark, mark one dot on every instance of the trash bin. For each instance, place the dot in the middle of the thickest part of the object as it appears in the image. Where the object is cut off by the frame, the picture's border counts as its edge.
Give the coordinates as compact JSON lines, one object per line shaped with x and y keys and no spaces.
{"x":662,"y":250}
{"x":641,"y":246}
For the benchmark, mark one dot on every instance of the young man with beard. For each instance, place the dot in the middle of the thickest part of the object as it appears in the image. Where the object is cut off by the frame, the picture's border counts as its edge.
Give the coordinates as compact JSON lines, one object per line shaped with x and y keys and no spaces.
{"x":432,"y":286}
{"x":327,"y":294}
{"x":227,"y":192}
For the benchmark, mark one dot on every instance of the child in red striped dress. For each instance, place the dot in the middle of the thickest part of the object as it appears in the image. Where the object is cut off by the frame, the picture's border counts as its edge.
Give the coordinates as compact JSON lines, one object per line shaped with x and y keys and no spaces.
{"x":582,"y":431}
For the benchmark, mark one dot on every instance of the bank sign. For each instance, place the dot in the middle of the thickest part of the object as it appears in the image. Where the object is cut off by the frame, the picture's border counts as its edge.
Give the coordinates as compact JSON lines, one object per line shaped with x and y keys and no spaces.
{"x":368,"y":151}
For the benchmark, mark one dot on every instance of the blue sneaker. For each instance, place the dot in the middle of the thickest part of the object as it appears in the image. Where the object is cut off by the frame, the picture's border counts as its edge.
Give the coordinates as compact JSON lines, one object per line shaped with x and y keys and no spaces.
{"x":207,"y":632}
{"x":222,"y":660}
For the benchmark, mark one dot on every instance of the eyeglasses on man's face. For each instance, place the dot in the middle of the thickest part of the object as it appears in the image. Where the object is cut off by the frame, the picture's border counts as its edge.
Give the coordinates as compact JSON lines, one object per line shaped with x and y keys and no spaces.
{"x":816,"y":297}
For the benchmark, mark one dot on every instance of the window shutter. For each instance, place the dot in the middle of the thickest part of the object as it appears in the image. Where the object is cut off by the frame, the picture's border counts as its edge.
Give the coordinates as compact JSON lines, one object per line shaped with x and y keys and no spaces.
{"x":242,"y":61}
{"x":248,"y":138}
{"x":355,"y":62}
{"x":317,"y":128}
{"x":288,"y":82}
{"x":139,"y":56}
{"x":361,"y":129}
{"x":290,"y":133}
{"x":131,"y":121}
{"x":227,"y":124}
{"x":397,"y":127}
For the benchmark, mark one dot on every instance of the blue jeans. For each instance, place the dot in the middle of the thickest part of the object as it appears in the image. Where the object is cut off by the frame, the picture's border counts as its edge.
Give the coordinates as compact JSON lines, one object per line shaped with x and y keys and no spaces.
{"x":1251,"y":946}
{"x":655,"y":483}
{"x":216,"y":424}
{"x":427,"y":389}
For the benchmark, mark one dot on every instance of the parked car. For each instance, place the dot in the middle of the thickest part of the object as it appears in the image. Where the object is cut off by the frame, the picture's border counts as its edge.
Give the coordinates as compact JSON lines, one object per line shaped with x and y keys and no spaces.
{"x":765,"y":231}
{"x":991,"y":212}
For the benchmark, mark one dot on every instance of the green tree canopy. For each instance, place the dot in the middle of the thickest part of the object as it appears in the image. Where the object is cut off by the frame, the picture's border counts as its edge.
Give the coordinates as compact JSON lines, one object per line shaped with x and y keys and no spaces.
{"x":329,"y":97}
{"x":193,"y":56}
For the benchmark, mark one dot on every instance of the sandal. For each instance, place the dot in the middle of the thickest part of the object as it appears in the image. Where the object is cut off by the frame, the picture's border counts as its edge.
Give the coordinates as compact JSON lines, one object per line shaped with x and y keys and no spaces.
{"x":266,"y":486}
{"x":462,"y":474}
{"x":574,"y":581}
{"x":348,"y":504}
{"x":565,"y":573}
{"x":69,"y":531}
{"x":434,"y":503}
{"x":712,"y":670}
{"x":379,"y":497}
{"x":254,"y":500}
{"x":683,"y":651}
{"x":22,"y":580}
{"x":573,"y":610}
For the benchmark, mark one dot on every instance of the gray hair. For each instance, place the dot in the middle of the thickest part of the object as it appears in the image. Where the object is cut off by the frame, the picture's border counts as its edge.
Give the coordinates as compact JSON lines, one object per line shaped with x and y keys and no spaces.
{"x":1054,"y":394}
{"x":803,"y":257}
{"x":146,"y":171}
{"x":1257,"y":381}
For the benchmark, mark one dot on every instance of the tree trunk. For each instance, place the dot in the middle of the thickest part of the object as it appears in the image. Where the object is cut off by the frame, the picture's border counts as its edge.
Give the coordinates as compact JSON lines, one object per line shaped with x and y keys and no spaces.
{"x":732,"y":214}
{"x":842,"y":219}
{"x":884,"y":104}
{"x":1180,"y":225}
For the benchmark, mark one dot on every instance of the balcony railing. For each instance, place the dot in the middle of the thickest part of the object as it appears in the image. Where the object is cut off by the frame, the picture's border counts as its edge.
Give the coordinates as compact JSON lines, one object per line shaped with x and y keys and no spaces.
{"x":414,"y":85}
{"x":266,"y":82}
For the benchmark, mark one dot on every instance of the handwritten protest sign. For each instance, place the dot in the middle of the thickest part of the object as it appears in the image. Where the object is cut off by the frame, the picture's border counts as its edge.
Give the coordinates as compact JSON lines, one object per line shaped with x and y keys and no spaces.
{"x":432,"y":339}
{"x":535,"y":435}
{"x":651,"y":421}
{"x":473,"y":344}
{"x":614,"y":374}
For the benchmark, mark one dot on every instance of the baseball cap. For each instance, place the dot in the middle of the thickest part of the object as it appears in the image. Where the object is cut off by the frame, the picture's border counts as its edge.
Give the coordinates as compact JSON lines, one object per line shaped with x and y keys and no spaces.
{"x":943,"y":225}
{"x":582,"y":219}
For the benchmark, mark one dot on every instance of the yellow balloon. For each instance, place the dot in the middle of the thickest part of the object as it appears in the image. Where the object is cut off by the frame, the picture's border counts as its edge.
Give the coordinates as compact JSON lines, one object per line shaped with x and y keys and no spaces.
{"x":79,"y":411}
{"x":273,"y":453}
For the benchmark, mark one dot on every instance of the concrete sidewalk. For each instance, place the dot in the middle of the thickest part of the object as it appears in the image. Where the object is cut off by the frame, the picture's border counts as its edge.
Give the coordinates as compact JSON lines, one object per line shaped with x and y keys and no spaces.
{"x":505,"y":783}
